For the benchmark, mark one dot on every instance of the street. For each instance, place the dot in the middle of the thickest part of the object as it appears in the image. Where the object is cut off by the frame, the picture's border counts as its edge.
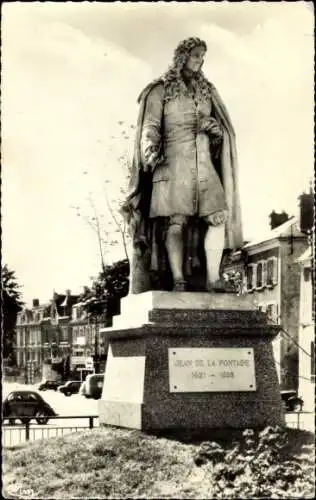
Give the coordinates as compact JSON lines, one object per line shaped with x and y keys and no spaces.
{"x":79,"y":405}
{"x":63,"y":405}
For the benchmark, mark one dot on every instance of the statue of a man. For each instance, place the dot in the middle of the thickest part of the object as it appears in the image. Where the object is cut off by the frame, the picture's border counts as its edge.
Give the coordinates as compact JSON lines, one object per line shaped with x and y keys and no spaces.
{"x":183,"y":205}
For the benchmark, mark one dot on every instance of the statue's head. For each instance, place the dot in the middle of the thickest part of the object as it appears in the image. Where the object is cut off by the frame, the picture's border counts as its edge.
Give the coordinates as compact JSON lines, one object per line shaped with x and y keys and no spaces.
{"x":187,"y":63}
{"x":189,"y":55}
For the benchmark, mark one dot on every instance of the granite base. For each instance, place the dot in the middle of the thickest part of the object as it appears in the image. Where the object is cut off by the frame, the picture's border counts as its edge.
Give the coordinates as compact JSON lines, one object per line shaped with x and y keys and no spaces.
{"x":136,"y":392}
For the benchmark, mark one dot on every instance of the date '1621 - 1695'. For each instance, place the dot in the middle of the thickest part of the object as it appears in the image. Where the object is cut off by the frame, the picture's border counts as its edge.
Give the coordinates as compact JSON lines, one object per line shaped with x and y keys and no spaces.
{"x":200,"y":375}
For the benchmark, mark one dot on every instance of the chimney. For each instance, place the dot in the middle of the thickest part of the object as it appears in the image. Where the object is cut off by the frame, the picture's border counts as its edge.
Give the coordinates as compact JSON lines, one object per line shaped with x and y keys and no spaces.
{"x":68,"y":293}
{"x":276,"y":219}
{"x":35,"y":302}
{"x":306,"y":211}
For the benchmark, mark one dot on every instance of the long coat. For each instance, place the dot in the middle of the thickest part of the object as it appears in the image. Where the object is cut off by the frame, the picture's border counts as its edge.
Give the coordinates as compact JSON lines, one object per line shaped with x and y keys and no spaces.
{"x":185,"y":181}
{"x":138,"y":206}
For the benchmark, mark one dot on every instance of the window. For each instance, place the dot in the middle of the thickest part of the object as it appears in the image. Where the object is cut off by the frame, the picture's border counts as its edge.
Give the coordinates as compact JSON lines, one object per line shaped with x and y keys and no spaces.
{"x":64,"y":334}
{"x":272,"y":311}
{"x":312,"y":361}
{"x":30,"y":396}
{"x":78,"y":353}
{"x":251,"y":277}
{"x":262,"y":307}
{"x":272,"y":271}
{"x":307,"y":273}
{"x":16,"y":396}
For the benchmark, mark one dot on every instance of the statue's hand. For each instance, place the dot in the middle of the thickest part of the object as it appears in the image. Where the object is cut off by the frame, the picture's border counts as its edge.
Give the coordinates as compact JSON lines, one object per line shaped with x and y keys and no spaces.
{"x":210,"y":125}
{"x":218,"y":218}
{"x":152,"y":161}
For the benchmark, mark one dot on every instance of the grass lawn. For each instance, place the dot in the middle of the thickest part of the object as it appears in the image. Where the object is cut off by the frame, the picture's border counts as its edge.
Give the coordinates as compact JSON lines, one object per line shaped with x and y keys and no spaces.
{"x":117,"y":463}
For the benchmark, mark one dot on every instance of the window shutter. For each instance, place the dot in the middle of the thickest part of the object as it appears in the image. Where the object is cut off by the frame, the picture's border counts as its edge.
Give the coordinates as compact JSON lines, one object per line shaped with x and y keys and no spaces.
{"x":251,"y":277}
{"x":275,"y":271}
{"x":264,"y":273}
{"x":254,"y":276}
{"x":275,"y":313}
{"x":259,"y":275}
{"x":312,"y":361}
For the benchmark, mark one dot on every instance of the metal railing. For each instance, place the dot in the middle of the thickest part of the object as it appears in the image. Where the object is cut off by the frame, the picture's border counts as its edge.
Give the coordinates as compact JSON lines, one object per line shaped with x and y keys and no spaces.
{"x":16,"y":434}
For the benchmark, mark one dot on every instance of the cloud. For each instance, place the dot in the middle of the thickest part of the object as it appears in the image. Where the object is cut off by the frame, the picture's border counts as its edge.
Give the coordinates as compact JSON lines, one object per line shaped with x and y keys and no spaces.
{"x":72,"y":71}
{"x":266,"y":79}
{"x":63,"y":95}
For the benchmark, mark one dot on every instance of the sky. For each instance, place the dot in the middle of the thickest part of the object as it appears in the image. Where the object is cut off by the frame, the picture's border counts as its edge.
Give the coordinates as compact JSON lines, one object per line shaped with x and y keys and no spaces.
{"x":71,"y":75}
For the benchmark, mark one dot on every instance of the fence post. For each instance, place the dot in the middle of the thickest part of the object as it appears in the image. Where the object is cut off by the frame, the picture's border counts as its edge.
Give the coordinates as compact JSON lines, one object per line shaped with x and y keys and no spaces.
{"x":90,"y":422}
{"x":27,"y":430}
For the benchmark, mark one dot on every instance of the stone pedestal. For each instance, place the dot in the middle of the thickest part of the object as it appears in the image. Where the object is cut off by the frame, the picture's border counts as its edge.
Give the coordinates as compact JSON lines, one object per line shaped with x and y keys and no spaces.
{"x":140,"y":391}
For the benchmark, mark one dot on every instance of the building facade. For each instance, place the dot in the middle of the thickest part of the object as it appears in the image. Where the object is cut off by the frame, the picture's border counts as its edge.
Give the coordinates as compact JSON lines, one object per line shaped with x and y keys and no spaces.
{"x":88,"y":342}
{"x":48,"y":334}
{"x":307,"y":332}
{"x":271,"y":274}
{"x":29,"y":343}
{"x":44,"y":332}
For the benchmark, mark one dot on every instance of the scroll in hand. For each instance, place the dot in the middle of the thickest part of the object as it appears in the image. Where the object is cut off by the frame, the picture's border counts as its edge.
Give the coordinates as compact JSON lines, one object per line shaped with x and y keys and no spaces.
{"x":152,"y":161}
{"x":210,"y":125}
{"x":153,"y":157}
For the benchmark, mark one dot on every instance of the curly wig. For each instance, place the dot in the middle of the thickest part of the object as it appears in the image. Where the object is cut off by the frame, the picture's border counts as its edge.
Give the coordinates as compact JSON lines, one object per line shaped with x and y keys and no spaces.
{"x":173,"y":80}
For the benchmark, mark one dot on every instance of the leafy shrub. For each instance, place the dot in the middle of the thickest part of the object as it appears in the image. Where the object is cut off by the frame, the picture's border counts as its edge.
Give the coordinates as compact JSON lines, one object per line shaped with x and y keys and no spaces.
{"x":255,"y":467}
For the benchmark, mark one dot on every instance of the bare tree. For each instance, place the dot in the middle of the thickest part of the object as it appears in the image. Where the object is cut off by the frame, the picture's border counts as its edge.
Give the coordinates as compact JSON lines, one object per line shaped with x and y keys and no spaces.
{"x":108,"y":223}
{"x":119,"y":222}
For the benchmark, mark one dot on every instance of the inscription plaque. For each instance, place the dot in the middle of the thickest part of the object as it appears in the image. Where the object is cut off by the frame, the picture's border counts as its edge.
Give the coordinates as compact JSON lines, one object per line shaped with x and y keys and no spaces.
{"x":215,"y":369}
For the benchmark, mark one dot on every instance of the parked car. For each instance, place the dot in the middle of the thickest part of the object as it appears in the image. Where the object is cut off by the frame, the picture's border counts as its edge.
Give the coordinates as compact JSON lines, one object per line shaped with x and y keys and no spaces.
{"x":69,"y":388}
{"x":92,"y":386}
{"x":292,"y":401}
{"x":26,"y":405}
{"x":49,"y":384}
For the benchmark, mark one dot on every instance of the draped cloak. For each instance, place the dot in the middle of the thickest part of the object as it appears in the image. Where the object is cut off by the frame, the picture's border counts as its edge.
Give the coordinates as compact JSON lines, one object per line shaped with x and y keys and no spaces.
{"x":137,"y":204}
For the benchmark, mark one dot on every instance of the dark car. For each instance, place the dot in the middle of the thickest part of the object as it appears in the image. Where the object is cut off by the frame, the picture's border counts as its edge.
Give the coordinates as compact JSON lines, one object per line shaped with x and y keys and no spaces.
{"x":49,"y":384}
{"x":292,"y":401}
{"x":26,"y":405}
{"x":69,"y":388}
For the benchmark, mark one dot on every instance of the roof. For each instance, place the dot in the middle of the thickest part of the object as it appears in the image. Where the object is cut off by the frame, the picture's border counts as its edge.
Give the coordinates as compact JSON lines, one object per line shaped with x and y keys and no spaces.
{"x":287,"y":229}
{"x":64,"y":300}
